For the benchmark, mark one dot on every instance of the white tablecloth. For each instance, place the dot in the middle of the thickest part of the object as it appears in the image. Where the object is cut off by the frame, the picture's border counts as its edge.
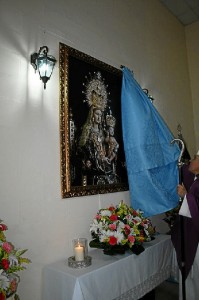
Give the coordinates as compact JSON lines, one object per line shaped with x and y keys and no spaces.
{"x":120,"y":277}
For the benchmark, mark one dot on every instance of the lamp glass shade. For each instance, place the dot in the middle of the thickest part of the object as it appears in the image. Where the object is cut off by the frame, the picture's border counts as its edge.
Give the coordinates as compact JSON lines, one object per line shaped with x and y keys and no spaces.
{"x":45,"y":65}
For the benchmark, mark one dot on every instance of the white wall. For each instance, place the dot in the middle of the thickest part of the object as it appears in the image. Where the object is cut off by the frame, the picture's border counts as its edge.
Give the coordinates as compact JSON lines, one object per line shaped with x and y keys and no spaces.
{"x":141,"y":35}
{"x":192,"y":39}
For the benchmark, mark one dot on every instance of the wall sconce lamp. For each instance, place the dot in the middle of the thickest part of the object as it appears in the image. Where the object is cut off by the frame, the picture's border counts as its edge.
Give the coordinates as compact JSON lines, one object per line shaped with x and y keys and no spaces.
{"x":44,"y":63}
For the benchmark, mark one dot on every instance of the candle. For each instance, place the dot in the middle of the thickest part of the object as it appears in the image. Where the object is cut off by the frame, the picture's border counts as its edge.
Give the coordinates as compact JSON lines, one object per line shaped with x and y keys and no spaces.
{"x":79,"y":253}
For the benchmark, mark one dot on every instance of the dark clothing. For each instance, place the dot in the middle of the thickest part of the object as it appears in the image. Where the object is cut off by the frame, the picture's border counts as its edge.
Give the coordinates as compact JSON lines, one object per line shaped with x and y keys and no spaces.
{"x":188,"y":226}
{"x":187,"y":177}
{"x":193,"y":202}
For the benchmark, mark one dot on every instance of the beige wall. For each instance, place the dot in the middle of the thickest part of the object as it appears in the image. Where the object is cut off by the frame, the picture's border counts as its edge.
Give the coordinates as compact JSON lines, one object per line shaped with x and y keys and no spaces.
{"x":139,"y":34}
{"x":192,"y":38}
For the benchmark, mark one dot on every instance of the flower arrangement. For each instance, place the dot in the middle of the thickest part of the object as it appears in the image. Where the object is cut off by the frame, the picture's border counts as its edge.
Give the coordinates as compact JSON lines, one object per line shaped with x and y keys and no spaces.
{"x":11,"y":261}
{"x":118,"y":228}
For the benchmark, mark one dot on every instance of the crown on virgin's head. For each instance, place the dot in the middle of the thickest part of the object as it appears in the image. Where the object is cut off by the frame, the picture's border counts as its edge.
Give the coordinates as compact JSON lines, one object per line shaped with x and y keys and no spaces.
{"x":96,"y":91}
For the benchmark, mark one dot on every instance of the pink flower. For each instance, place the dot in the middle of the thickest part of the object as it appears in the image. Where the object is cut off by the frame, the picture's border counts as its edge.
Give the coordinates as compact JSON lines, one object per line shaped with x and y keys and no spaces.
{"x":7,"y":247}
{"x":112,"y":226}
{"x":112,"y":241}
{"x":97,"y":217}
{"x":131,"y":239}
{"x":13,"y":285}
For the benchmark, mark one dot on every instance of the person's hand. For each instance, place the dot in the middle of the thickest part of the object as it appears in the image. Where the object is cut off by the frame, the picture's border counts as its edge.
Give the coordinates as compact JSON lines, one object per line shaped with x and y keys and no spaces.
{"x":181,"y":190}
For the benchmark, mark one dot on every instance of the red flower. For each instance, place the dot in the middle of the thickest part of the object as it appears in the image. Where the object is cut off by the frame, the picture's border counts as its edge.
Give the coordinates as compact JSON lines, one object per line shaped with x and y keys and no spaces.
{"x":141,"y":232}
{"x":5,"y":263}
{"x":112,"y":241}
{"x":111,"y":208}
{"x":127,"y":229}
{"x":2,"y":296}
{"x":135,"y":213}
{"x":3,"y":227}
{"x":113,"y":218}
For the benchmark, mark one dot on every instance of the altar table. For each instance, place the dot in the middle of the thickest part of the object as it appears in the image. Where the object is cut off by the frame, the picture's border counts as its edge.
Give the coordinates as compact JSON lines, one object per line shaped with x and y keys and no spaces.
{"x":118,"y":277}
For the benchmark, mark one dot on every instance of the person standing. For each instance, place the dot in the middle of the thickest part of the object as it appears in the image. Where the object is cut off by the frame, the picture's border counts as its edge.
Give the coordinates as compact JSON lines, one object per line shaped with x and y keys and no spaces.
{"x":189,"y":212}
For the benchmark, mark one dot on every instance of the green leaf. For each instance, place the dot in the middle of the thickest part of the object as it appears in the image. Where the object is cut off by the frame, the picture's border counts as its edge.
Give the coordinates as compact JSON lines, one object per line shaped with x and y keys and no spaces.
{"x":24,"y":260}
{"x":20,"y":252}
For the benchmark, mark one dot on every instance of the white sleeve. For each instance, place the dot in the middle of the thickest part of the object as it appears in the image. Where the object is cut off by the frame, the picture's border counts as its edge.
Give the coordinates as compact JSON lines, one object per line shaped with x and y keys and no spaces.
{"x":184,"y":210}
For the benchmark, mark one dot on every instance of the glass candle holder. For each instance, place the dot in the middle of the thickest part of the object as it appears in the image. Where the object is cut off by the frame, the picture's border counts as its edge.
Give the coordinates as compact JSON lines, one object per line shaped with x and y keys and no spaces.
{"x":80,"y":248}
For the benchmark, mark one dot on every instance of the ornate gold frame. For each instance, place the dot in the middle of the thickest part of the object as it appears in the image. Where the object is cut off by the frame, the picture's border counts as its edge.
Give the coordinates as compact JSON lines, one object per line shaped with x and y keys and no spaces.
{"x":68,"y":190}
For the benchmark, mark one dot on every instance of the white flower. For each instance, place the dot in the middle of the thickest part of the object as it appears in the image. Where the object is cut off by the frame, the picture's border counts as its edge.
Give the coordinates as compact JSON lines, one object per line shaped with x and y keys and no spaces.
{"x":119,"y":236}
{"x":120,"y":225}
{"x":4,"y":281}
{"x":132,"y":232}
{"x":13,"y":260}
{"x":138,"y":219}
{"x":105,"y":213}
{"x":146,"y":231}
{"x":105,"y":234}
{"x":94,"y":226}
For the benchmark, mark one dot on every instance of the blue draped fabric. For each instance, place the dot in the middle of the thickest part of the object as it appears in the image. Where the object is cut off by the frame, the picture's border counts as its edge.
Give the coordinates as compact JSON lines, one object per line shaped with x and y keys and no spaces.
{"x":151,"y":159}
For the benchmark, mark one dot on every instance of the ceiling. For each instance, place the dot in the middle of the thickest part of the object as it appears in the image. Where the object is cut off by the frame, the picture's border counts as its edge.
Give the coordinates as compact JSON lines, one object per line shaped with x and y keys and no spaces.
{"x":186,"y":11}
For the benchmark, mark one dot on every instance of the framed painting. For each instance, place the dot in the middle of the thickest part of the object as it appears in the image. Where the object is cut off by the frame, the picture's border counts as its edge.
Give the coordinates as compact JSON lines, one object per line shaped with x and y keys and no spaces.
{"x":91,"y":144}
